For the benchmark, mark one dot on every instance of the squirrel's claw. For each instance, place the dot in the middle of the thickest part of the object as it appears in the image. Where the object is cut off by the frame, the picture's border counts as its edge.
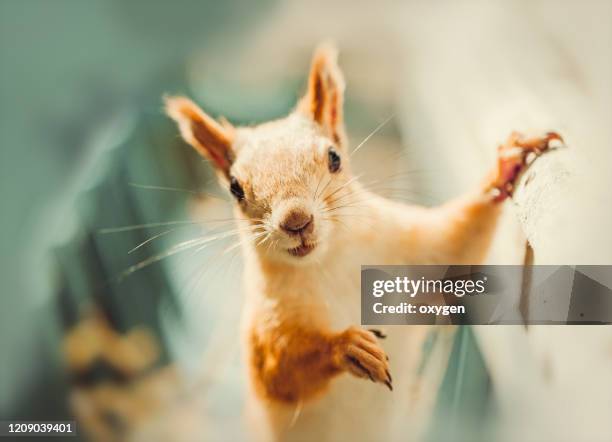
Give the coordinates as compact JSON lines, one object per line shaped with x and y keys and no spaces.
{"x":389,"y":386}
{"x":536,"y":143}
{"x":359,"y":353}
{"x":512,"y":159}
{"x":376,"y":332}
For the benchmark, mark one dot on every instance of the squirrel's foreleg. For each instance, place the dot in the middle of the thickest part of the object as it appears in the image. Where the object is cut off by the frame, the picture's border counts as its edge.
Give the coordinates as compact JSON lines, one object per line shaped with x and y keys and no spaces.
{"x":290,"y":364}
{"x":461,"y":230}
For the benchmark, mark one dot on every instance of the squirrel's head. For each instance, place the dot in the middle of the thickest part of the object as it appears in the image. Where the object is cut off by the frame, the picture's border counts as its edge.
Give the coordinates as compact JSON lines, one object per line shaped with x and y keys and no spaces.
{"x":289,"y":178}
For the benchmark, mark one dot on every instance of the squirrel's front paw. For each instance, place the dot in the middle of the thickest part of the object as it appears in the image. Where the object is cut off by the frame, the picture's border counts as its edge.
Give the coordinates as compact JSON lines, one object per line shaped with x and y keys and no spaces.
{"x":512,"y":159}
{"x":357,"y":351}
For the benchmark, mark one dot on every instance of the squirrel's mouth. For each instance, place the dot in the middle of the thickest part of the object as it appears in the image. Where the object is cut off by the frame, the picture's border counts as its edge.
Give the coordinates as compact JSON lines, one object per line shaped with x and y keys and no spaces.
{"x":302,"y":250}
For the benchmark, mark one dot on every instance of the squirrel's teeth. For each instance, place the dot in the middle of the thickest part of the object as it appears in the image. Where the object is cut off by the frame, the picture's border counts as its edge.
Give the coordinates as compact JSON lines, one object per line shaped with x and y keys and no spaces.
{"x":301,"y":250}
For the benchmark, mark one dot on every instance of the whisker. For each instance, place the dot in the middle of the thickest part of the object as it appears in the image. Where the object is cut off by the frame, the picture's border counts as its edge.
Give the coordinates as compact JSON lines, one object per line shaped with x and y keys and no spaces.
{"x":151,"y":239}
{"x":409,"y":194}
{"x":119,"y":229}
{"x":363,"y":219}
{"x":267,"y":237}
{"x":381,"y":186}
{"x":340,"y":222}
{"x":190,"y":286}
{"x":324,"y":187}
{"x":185,"y":245}
{"x":349,"y":215}
{"x":358,"y":202}
{"x":158,"y":224}
{"x":342,"y":186}
{"x":365,"y":140}
{"x":106,"y":230}
{"x":155,"y":237}
{"x":233,"y":246}
{"x":272,"y":244}
{"x":177,"y":189}
{"x":240,"y":242}
{"x":223,"y":236}
{"x":314,"y":196}
{"x":353,"y":193}
{"x":169,"y":189}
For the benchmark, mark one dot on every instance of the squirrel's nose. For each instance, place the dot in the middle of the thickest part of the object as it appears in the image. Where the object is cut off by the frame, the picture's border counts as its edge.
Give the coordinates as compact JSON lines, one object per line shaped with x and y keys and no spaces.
{"x":297,"y":222}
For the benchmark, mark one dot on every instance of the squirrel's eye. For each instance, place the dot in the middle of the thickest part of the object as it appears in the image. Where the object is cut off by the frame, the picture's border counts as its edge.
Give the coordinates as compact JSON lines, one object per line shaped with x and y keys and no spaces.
{"x":333,"y":160}
{"x":236,"y":189}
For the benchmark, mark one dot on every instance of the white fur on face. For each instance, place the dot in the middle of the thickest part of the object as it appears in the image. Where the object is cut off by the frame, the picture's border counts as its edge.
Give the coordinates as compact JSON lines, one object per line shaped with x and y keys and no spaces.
{"x":285,"y":163}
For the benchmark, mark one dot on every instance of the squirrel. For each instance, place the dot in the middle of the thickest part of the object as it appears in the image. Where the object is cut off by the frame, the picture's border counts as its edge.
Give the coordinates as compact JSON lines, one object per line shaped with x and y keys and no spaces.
{"x":307,"y":226}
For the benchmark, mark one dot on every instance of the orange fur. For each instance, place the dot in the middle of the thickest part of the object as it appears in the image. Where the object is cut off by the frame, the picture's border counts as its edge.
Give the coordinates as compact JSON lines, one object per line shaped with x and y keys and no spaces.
{"x":291,"y":363}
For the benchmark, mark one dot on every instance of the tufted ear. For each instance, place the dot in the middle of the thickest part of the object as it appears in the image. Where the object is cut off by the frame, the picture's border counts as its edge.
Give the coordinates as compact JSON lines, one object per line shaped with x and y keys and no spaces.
{"x":325,"y":95}
{"x":208,"y":137}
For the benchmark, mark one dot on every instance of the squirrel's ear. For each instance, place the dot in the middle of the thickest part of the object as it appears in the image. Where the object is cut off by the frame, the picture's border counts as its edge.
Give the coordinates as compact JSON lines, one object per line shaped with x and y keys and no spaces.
{"x":209,"y":138}
{"x":325,"y":95}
